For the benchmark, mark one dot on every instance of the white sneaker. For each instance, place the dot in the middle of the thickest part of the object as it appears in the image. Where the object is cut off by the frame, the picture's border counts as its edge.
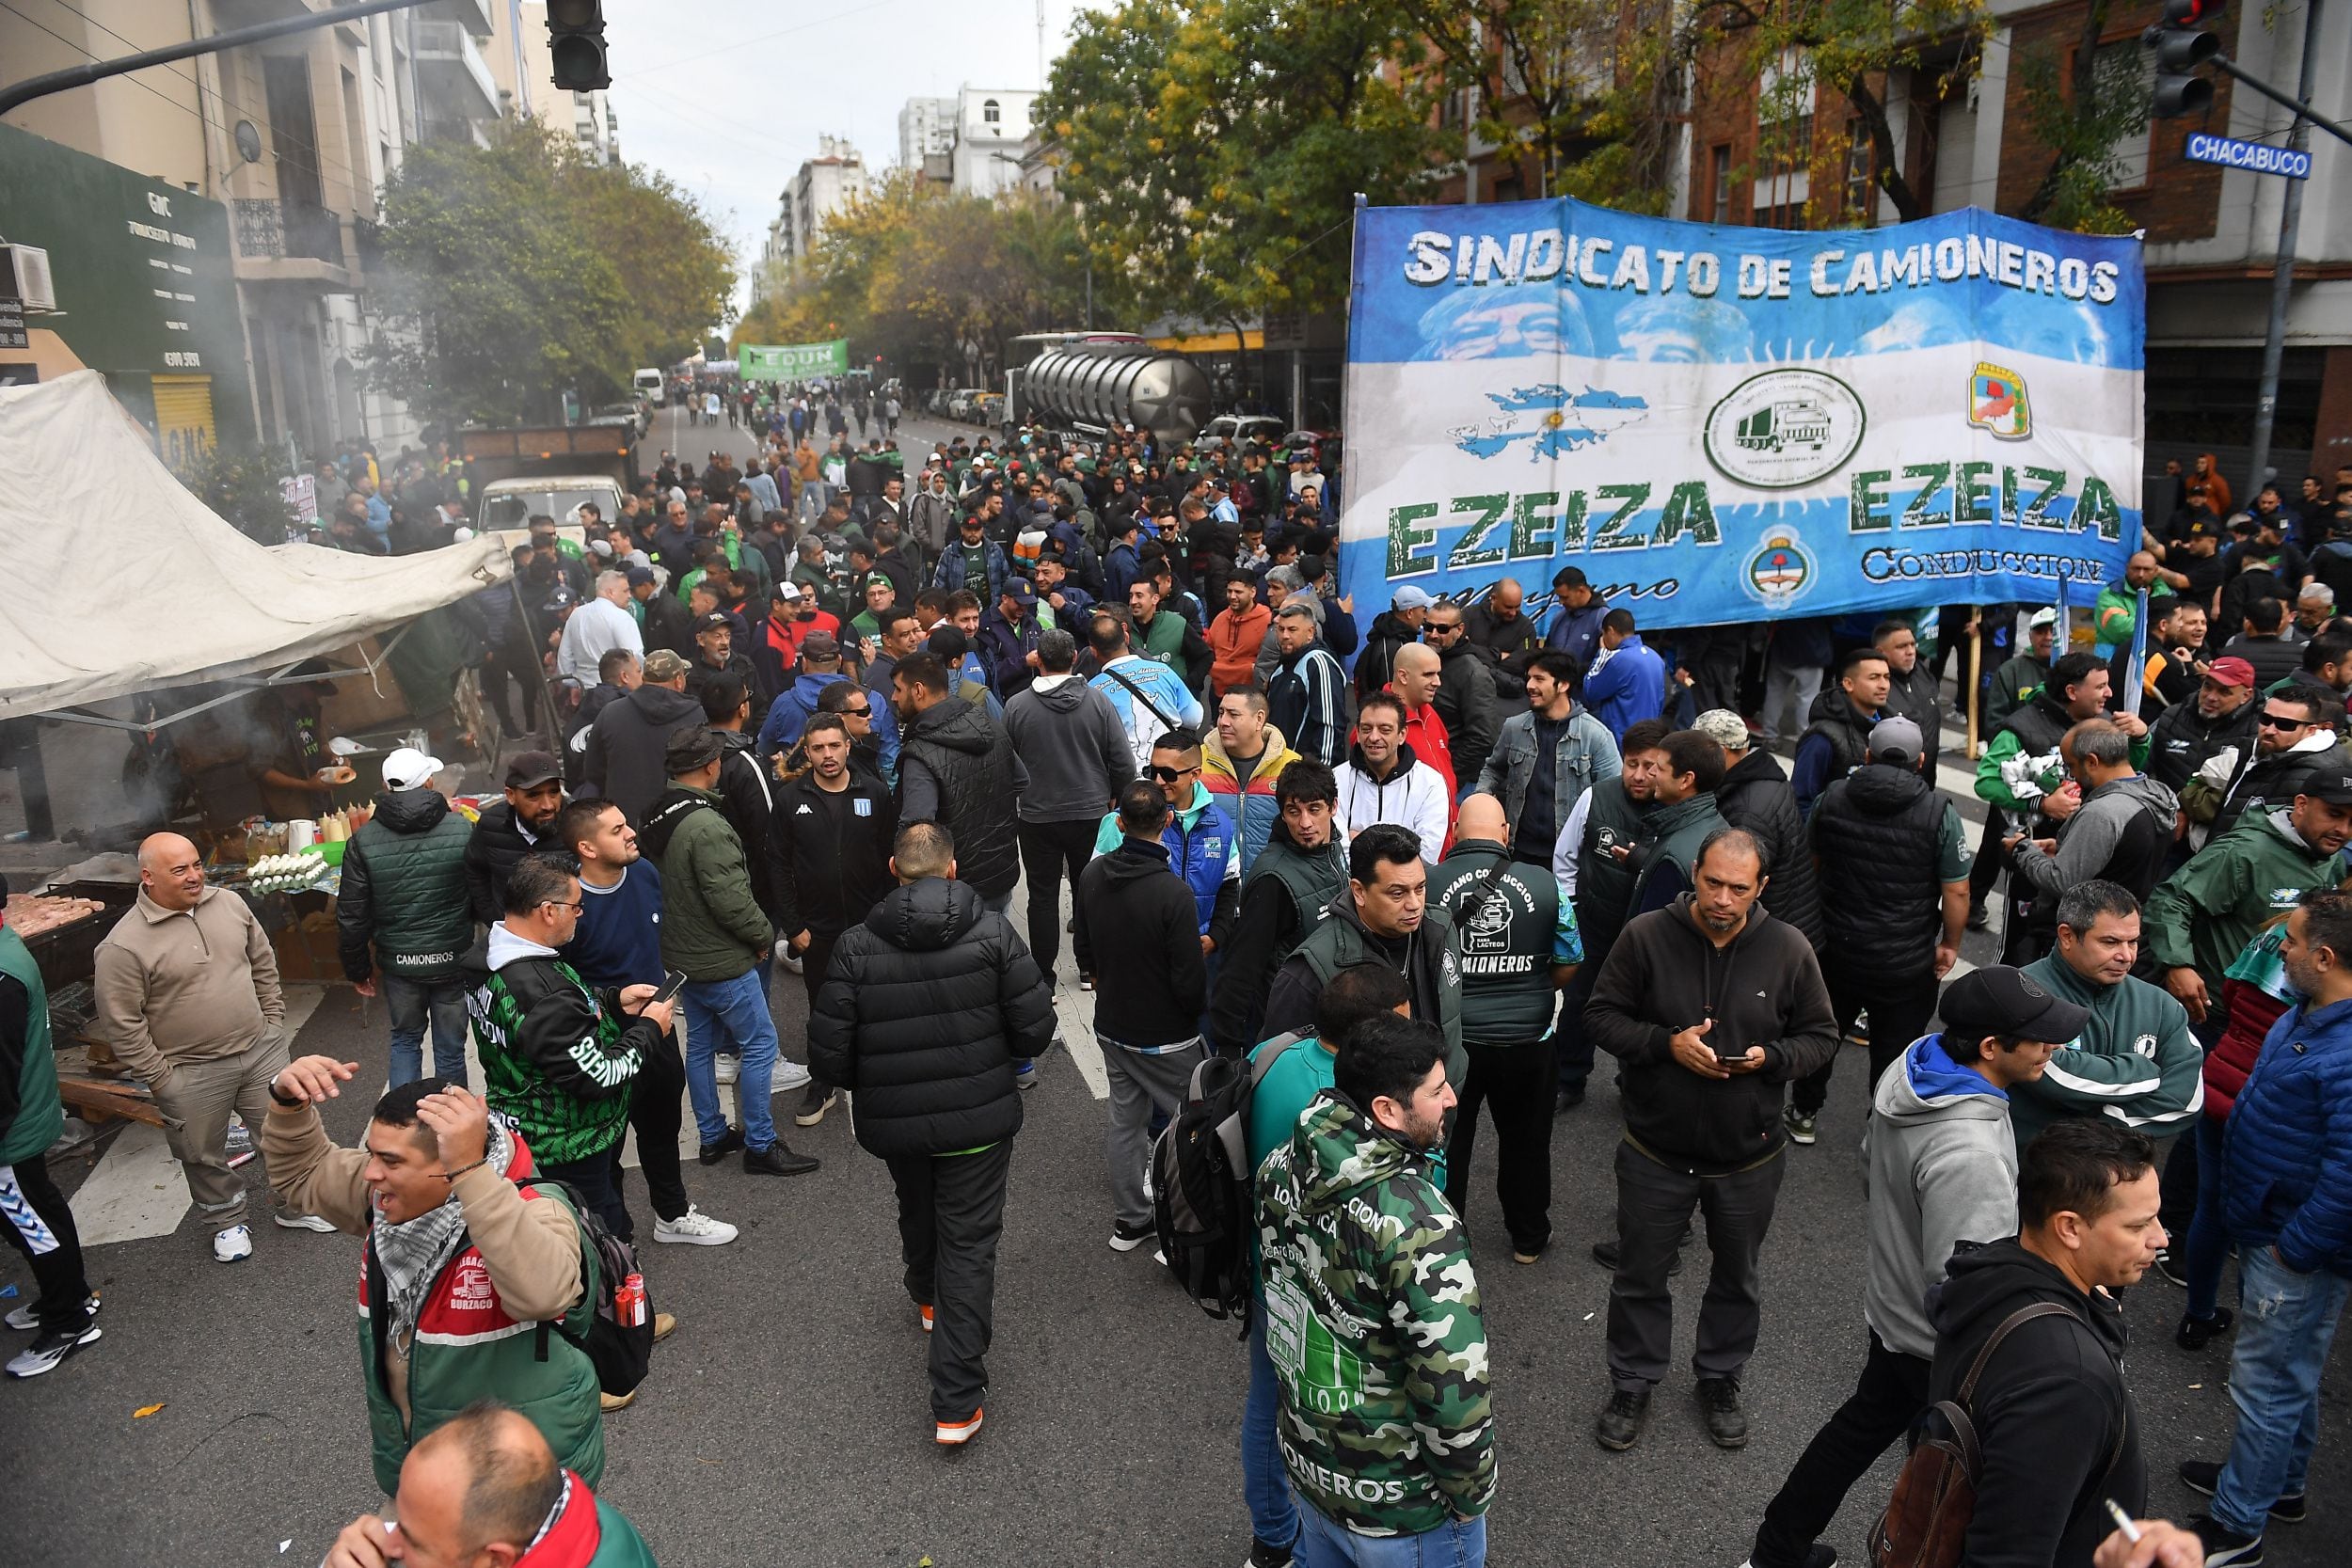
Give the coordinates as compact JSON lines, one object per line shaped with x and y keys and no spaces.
{"x":790,"y":1075}
{"x":722,"y":1068}
{"x":233,"y":1245}
{"x":290,"y":1221}
{"x":28,"y":1318}
{"x":694,"y":1228}
{"x":789,"y":962}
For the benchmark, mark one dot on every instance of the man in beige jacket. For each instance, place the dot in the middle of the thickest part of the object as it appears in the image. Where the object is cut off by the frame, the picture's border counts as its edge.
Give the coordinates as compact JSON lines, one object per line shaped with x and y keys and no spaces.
{"x":188,"y":997}
{"x":465,"y":1253}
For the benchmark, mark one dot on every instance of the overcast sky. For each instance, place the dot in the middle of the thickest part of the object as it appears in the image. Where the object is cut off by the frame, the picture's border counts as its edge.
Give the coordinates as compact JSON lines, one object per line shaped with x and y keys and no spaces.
{"x":727,"y":97}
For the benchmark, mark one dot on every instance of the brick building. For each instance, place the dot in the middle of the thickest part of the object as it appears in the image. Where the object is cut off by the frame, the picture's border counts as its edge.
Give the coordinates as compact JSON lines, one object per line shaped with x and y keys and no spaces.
{"x":1766,"y":151}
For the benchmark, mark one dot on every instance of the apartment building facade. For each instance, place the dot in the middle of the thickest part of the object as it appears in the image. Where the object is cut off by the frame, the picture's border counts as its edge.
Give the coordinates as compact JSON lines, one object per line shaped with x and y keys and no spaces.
{"x":1773,"y":148}
{"x":292,"y":140}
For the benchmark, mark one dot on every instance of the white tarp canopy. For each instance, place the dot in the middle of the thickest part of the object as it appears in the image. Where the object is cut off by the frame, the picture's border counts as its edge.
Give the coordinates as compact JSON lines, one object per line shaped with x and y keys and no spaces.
{"x":114,"y":579}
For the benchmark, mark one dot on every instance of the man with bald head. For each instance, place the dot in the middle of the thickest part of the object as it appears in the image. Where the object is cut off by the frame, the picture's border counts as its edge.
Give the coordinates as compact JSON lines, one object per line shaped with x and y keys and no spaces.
{"x":483,"y":1490}
{"x":1518,"y":945}
{"x":188,"y":998}
{"x":1415,"y":677}
{"x":1508,"y":634}
{"x":2115,"y":617}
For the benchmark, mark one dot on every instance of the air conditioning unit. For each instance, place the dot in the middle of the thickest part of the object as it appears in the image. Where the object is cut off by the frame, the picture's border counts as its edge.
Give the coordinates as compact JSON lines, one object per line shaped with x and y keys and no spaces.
{"x":24,"y":274}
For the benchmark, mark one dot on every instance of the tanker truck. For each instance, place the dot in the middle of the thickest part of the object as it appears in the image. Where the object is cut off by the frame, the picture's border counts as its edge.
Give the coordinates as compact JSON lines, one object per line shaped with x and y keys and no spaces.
{"x":1091,"y":384}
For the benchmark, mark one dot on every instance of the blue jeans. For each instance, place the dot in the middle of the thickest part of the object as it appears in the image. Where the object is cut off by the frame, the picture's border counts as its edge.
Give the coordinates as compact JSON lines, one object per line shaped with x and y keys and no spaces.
{"x":410,"y":1003}
{"x":1456,"y":1544}
{"x":2283,"y":1341}
{"x":734,"y":1011}
{"x":1273,"y":1517}
{"x":2208,"y":1241}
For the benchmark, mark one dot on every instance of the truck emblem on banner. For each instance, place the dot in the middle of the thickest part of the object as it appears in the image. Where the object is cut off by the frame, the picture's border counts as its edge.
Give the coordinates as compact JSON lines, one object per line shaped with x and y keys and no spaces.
{"x":1996,"y":402}
{"x":1784,"y":428}
{"x":1779,"y":570}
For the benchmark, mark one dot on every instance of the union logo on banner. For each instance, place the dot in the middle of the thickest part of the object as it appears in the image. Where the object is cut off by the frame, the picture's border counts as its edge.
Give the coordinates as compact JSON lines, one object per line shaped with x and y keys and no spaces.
{"x":1996,"y":402}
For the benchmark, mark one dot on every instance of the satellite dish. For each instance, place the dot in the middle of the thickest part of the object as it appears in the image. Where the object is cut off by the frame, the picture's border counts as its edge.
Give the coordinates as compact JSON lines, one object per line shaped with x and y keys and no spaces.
{"x":249,"y":141}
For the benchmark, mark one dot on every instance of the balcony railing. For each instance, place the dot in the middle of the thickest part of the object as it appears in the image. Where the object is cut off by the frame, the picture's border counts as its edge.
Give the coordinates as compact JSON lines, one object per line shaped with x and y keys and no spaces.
{"x":271,"y":228}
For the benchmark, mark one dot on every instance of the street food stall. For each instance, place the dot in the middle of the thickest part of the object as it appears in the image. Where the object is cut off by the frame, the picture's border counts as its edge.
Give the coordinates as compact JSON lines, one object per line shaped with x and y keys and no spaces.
{"x":257,"y":687}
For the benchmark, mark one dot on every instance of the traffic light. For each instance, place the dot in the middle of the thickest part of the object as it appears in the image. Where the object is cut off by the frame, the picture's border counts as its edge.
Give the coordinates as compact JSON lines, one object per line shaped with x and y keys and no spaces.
{"x":2182,"y":45}
{"x":576,"y":44}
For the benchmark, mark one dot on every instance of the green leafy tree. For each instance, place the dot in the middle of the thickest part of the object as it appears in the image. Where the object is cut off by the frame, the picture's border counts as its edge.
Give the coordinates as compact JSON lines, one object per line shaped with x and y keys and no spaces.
{"x":1215,"y":149}
{"x":923,"y":276}
{"x":240,"y":484}
{"x":2082,"y":113}
{"x":1588,"y":88}
{"x":516,"y":271}
{"x":1849,"y":47}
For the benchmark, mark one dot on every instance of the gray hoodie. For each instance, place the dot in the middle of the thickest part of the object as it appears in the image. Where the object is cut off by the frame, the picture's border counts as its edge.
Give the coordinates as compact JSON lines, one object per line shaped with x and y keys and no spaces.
{"x":2087,"y":841}
{"x":1069,"y":738}
{"x":1943,"y":1169}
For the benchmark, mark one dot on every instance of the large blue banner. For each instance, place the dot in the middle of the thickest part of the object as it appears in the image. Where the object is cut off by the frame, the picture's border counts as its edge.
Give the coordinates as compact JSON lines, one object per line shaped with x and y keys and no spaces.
{"x":1722,"y":425}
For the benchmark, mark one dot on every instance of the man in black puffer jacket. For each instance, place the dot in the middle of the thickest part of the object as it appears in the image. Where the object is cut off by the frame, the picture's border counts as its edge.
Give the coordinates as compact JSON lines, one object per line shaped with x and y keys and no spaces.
{"x":1892,"y":855}
{"x":926,"y":1008}
{"x":957,"y":768}
{"x":522,"y":824}
{"x":402,"y":919}
{"x":1754,"y":795}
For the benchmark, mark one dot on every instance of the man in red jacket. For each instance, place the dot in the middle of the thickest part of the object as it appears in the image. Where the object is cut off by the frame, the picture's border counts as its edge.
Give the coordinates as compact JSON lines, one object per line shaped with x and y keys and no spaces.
{"x":485,"y":1487}
{"x":1237,"y":635}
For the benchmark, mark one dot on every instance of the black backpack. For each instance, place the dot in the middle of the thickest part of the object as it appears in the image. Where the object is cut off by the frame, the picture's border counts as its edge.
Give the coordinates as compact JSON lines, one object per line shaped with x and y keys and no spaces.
{"x":1200,"y":1179}
{"x":619,"y":1341}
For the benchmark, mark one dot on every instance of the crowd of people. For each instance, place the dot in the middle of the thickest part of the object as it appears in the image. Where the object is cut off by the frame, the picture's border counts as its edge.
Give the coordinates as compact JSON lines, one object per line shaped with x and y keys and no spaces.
{"x":1412,"y":873}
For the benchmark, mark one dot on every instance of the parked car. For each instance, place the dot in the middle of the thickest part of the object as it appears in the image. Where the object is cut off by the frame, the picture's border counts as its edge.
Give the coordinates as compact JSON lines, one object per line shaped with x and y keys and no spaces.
{"x":635,"y":415}
{"x":965,"y":404}
{"x":1242,"y":429}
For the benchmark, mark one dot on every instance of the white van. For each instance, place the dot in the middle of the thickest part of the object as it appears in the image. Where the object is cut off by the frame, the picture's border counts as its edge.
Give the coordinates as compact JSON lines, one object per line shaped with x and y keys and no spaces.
{"x":652,"y":385}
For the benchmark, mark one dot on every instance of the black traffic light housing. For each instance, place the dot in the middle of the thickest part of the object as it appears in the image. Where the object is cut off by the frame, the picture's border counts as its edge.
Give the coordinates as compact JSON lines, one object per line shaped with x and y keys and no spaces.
{"x":2182,"y":45}
{"x":576,"y":44}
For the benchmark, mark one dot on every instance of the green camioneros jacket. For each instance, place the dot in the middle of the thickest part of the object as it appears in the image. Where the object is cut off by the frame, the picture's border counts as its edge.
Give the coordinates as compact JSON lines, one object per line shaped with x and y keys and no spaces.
{"x":2202,"y":915}
{"x":1373,"y":1326}
{"x":558,"y":1059}
{"x":2135,"y":1061}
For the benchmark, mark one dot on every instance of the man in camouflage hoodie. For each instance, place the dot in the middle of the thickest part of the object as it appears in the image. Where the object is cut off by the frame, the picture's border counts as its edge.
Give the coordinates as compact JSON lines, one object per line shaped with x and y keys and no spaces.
{"x":1373,"y":1318}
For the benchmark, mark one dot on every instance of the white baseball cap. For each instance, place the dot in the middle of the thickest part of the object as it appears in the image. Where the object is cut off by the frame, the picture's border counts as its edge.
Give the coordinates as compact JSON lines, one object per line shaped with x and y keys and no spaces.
{"x":409,"y":767}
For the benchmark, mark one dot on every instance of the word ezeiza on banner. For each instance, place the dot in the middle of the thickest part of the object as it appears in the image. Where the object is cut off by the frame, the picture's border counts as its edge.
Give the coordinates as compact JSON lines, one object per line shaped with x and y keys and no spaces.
{"x":1709,"y":421}
{"x":2233,"y":153}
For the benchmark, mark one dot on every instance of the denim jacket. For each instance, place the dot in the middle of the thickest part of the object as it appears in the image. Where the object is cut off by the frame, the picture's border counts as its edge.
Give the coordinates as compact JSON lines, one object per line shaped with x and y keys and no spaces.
{"x":1585,"y":754}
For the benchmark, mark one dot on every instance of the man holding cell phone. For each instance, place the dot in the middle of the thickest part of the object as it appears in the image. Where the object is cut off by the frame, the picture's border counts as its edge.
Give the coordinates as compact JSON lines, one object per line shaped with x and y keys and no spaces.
{"x":1713,"y":1006}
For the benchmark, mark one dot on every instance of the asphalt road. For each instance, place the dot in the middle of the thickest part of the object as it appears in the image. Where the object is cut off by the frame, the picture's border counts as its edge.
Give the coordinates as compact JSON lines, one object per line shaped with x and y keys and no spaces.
{"x":787,"y":1423}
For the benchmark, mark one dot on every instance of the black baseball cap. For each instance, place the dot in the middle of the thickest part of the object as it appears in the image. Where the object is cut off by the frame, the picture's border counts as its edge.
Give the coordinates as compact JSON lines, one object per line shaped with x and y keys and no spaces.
{"x":1998,"y":1000}
{"x":530,"y":769}
{"x":2331,"y":784}
{"x":712,"y":621}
